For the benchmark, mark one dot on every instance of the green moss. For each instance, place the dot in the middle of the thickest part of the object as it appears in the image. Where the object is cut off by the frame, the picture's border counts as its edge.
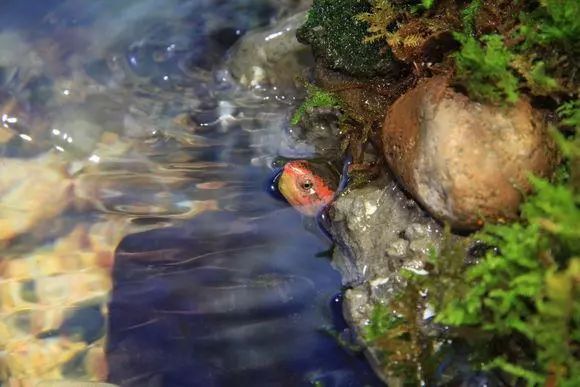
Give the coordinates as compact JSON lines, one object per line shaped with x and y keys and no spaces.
{"x":335,"y":37}
{"x":427,"y":4}
{"x":394,"y":331}
{"x":316,"y":98}
{"x":569,"y":113}
{"x":484,"y":68}
{"x":406,"y":27}
{"x":506,"y":48}
{"x":519,"y":305}
{"x":468,"y":16}
{"x":554,"y":22}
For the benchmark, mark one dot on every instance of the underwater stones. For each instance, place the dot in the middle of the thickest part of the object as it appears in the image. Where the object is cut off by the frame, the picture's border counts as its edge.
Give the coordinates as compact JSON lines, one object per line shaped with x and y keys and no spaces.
{"x":336,"y":39}
{"x":271,"y":57}
{"x":23,"y":191}
{"x":465,"y":162}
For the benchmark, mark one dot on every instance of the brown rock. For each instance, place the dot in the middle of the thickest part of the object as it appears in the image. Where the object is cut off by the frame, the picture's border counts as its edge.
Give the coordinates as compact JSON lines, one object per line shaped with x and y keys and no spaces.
{"x":465,"y":162}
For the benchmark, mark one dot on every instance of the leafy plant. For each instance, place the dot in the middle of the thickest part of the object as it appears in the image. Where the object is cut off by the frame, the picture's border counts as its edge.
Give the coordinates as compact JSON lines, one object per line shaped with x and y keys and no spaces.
{"x":485,"y":69}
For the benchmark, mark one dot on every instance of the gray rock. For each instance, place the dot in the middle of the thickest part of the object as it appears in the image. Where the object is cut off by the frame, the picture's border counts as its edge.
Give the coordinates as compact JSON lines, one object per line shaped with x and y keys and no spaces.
{"x":271,"y":58}
{"x":398,"y":249}
{"x":379,"y":232}
{"x":316,"y":136}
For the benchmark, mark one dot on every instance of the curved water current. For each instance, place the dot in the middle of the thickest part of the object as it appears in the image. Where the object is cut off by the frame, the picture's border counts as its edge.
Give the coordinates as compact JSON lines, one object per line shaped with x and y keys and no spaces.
{"x":139,"y":245}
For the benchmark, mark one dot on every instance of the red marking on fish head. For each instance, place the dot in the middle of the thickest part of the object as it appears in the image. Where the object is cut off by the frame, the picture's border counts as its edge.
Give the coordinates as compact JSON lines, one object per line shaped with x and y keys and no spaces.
{"x":306,"y":186}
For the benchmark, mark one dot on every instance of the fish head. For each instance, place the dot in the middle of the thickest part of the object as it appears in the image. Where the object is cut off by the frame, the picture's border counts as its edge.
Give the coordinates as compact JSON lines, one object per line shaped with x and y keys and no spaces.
{"x":308,"y":186}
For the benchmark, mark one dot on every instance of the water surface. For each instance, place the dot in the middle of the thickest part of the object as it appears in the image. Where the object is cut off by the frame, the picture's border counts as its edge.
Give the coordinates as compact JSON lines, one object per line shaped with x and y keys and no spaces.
{"x":139,"y":245}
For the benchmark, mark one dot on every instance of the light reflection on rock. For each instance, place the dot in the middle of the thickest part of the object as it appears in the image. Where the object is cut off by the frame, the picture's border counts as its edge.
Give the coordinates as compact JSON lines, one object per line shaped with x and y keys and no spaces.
{"x":23,"y":188}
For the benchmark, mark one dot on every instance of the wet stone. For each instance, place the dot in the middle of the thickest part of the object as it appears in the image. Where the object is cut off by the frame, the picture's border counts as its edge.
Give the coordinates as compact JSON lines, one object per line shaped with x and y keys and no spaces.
{"x":272,"y":57}
{"x":367,"y":224}
{"x":421,"y":246}
{"x":378,"y":231}
{"x":398,"y":249}
{"x":416,"y":231}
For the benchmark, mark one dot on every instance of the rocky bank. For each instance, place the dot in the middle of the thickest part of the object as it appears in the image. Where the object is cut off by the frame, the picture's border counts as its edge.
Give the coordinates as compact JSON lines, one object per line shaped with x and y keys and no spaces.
{"x":440,"y":153}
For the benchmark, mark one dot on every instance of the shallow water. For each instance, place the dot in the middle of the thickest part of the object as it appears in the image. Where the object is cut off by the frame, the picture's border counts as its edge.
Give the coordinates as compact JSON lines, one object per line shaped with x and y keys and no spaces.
{"x":139,"y":244}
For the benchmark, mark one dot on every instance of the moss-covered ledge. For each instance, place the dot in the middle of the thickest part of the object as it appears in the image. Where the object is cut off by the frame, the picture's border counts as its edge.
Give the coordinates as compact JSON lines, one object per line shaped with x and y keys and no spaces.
{"x":510,"y":306}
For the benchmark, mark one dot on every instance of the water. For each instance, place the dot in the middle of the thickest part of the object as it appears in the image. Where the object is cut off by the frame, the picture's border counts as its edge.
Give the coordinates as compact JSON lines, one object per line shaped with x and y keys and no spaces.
{"x":139,"y":244}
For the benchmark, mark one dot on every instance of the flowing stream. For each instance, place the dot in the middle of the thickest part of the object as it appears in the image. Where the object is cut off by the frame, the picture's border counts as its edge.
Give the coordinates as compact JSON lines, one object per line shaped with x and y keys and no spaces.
{"x":138,"y":243}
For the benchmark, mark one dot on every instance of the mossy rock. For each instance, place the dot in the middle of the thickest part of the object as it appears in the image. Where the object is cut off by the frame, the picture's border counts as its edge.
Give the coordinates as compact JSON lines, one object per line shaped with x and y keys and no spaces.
{"x":336,"y":39}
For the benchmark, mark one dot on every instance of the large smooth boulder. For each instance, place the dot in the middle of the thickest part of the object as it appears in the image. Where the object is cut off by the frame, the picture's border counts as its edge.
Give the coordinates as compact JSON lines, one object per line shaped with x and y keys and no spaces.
{"x":467,"y":163}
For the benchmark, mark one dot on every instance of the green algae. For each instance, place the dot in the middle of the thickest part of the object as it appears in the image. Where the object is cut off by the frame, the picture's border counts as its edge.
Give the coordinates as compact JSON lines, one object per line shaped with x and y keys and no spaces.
{"x":316,"y":98}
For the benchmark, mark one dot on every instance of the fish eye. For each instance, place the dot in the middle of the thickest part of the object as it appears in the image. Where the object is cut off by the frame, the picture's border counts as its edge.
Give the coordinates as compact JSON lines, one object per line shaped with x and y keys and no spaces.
{"x":306,"y":185}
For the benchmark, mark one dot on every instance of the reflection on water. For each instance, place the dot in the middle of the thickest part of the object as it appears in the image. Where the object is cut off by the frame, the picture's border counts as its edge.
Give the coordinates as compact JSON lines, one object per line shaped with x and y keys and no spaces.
{"x":139,"y":245}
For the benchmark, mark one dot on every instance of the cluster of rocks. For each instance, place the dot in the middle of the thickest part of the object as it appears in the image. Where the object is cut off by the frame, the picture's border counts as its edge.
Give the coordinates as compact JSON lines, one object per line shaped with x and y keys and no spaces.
{"x":450,"y":161}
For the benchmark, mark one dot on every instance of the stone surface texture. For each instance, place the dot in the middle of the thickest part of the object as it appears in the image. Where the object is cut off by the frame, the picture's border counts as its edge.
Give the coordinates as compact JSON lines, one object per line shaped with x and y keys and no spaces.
{"x":467,"y":163}
{"x":378,"y":231}
{"x":271,"y":57}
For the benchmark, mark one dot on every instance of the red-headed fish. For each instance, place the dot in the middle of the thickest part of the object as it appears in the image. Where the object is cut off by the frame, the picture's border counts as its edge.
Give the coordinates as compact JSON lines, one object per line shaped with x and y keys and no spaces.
{"x":307,"y":185}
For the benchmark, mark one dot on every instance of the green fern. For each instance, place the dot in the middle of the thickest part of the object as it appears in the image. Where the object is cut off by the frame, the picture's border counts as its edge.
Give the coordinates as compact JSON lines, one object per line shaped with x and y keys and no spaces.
{"x":569,"y":113}
{"x":381,"y":16}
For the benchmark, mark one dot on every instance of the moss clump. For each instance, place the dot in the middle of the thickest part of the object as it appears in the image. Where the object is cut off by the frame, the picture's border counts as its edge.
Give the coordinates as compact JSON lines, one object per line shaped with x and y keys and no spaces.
{"x":542,"y":47}
{"x":316,"y":98}
{"x":506,"y":48}
{"x":405,"y":351}
{"x":485,"y":69}
{"x":407,"y":27}
{"x":335,"y":37}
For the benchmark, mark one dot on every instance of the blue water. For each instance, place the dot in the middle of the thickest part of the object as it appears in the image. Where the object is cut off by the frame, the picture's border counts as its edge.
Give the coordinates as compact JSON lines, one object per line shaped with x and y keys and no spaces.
{"x":223,"y":303}
{"x":215,"y":283}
